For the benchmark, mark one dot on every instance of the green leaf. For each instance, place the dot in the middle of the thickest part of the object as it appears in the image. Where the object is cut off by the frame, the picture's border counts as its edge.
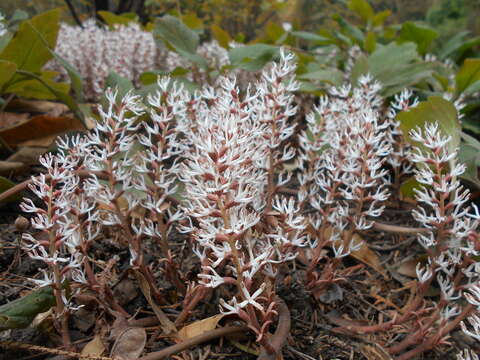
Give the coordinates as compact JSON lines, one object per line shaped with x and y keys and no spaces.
{"x":220,"y":35}
{"x":73,"y":74}
{"x":7,"y":70}
{"x":370,"y":42}
{"x":115,"y":81}
{"x":332,"y":76}
{"x":27,"y":49}
{"x":362,"y":8}
{"x":435,"y":109}
{"x":452,"y":44}
{"x":62,"y":96}
{"x":252,"y":57}
{"x":392,"y":55}
{"x":113,"y":19}
{"x":6,"y":184}
{"x":379,"y":18}
{"x":31,"y":88}
{"x":468,"y":155}
{"x":310,"y":36}
{"x":468,"y":74}
{"x":177,"y":34}
{"x":407,"y":188}
{"x":21,"y":312}
{"x":421,"y":35}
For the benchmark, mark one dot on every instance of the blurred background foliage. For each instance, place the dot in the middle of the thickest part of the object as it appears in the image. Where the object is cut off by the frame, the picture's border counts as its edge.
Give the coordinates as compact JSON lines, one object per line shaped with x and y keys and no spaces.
{"x":246,"y":19}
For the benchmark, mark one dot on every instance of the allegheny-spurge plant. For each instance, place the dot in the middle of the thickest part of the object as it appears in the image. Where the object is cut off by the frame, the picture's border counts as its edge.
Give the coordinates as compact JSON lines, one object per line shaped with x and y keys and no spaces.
{"x":220,"y":166}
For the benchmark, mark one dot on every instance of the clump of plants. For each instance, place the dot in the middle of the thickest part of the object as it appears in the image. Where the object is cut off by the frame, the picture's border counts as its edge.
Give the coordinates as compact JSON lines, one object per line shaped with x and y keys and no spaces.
{"x":256,"y":197}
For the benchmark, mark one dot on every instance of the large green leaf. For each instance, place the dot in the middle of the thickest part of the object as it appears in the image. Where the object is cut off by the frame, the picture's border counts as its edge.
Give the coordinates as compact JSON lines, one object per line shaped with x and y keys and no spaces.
{"x":33,"y":89}
{"x":63,"y":96}
{"x":468,"y":155}
{"x":310,"y":36}
{"x":21,"y":312}
{"x":27,"y":48}
{"x":115,"y":81}
{"x":7,"y":70}
{"x":113,"y":19}
{"x":362,"y":8}
{"x":252,"y":57}
{"x":332,"y":76}
{"x":457,"y":44}
{"x":392,"y":55}
{"x":468,"y":74}
{"x":177,"y":34}
{"x":435,"y":109}
{"x":421,"y":35}
{"x":73,"y":74}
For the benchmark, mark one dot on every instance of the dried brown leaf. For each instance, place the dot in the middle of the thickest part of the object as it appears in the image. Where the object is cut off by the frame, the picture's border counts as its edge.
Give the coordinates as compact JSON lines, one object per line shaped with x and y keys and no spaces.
{"x":130,"y":344}
{"x":39,"y":127}
{"x":199,"y":327}
{"x":367,"y":256}
{"x":94,"y":347}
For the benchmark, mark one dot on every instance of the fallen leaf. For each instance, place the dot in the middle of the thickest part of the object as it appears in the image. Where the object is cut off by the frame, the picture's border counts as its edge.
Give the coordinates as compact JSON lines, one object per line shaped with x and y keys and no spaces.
{"x":39,"y":106}
{"x":408,"y":268}
{"x":168,"y":327}
{"x":27,"y":155}
{"x":9,"y":168}
{"x":130,"y":344}
{"x":367,"y":256}
{"x":94,"y":347}
{"x":39,"y":127}
{"x":199,"y":327}
{"x":10,"y":120}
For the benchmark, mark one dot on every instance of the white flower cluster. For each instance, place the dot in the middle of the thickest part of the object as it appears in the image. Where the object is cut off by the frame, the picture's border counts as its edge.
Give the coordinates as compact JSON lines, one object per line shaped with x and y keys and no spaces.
{"x":226,"y":178}
{"x":128,"y":50}
{"x":127,"y":171}
{"x":452,"y":239}
{"x":344,"y":150}
{"x":95,"y":51}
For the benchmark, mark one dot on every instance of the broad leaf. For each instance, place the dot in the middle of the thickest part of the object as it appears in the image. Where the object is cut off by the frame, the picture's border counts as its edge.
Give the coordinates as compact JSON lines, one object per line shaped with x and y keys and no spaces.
{"x":221,"y":36}
{"x":31,"y":88}
{"x":468,"y":74}
{"x":362,"y":8}
{"x":420,"y":35}
{"x":114,"y":19}
{"x":332,"y":76}
{"x":252,"y":57}
{"x":175,"y":32}
{"x":27,"y":48}
{"x":435,"y":109}
{"x":115,"y":81}
{"x":7,"y":70}
{"x":310,"y":36}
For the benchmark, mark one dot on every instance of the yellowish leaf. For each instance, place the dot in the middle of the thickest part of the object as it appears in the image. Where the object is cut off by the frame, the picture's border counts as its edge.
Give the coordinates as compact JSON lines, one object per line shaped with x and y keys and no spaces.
{"x":199,"y":327}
